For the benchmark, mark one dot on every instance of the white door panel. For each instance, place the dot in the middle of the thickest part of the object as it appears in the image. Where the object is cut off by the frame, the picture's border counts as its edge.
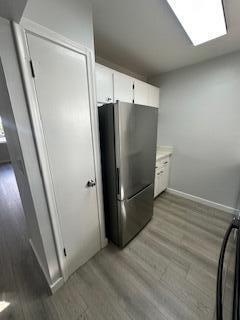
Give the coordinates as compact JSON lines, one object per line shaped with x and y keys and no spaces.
{"x":61,"y":83}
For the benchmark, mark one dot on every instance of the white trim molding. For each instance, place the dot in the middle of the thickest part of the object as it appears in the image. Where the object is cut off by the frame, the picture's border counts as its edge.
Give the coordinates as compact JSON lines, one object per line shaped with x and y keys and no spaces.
{"x":53,"y":286}
{"x":209,"y":203}
{"x":24,"y":58}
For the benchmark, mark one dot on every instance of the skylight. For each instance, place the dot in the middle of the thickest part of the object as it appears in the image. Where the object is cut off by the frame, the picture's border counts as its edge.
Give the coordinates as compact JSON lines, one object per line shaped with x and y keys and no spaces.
{"x":203,"y":20}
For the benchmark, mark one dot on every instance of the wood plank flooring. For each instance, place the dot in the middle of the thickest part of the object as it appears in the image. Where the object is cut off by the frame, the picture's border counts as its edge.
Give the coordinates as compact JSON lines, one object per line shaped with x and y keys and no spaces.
{"x":168,"y":272}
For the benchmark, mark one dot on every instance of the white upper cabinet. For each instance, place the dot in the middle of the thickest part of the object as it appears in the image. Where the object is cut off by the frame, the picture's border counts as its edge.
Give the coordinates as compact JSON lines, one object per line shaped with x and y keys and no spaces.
{"x":153,"y":96}
{"x":123,"y":87}
{"x":146,"y":94}
{"x":141,"y":92}
{"x":104,"y":83}
{"x":113,"y":85}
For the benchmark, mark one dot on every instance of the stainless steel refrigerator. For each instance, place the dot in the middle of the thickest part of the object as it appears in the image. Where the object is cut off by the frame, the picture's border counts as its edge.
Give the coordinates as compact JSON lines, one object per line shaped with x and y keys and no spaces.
{"x":128,"y":134}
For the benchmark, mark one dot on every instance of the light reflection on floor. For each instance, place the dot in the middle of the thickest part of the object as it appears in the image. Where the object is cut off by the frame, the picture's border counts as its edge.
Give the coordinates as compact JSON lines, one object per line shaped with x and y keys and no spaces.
{"x":3,"y":305}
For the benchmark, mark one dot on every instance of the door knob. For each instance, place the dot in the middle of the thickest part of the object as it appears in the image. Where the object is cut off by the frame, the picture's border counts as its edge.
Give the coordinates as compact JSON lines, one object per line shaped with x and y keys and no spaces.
{"x":91,"y":183}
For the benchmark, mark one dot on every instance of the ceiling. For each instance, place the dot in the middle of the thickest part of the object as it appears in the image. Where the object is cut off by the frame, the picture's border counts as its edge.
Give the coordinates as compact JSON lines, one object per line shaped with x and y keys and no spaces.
{"x":12,"y":9}
{"x":145,"y":36}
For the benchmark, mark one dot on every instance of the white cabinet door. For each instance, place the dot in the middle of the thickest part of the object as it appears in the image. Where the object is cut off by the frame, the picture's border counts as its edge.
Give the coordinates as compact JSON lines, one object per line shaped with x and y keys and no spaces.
{"x":62,"y":119}
{"x":153,"y":96}
{"x":161,"y":181}
{"x":123,"y":87}
{"x":161,"y":176}
{"x":156,"y":185}
{"x":165,"y":176}
{"x":104,"y":84}
{"x":140,"y":92}
{"x":157,"y":180}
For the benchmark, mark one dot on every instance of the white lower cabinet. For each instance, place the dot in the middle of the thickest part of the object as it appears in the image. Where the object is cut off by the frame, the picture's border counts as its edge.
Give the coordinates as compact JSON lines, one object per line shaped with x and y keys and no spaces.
{"x":161,"y":176}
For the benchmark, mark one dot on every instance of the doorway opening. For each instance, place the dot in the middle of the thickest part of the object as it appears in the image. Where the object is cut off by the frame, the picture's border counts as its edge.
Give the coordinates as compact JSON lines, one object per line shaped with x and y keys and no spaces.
{"x":20,"y":276}
{"x":4,"y":154}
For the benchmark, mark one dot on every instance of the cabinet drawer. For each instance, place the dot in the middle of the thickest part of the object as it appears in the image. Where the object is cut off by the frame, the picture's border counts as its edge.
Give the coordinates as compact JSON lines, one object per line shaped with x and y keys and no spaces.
{"x":160,"y":174}
{"x":158,"y":165}
{"x":165,"y":162}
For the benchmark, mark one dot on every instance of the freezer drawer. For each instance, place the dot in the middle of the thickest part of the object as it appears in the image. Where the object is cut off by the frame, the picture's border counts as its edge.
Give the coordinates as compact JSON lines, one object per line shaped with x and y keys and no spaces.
{"x":134,"y":214}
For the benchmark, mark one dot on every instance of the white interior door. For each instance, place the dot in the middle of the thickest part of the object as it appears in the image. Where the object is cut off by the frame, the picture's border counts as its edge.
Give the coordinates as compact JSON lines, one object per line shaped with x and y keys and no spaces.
{"x":62,"y":89}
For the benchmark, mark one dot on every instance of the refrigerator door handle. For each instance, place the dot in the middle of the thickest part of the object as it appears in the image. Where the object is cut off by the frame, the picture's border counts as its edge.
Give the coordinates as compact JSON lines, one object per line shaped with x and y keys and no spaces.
{"x":118,"y":181}
{"x":236,"y":306}
{"x":219,"y":293}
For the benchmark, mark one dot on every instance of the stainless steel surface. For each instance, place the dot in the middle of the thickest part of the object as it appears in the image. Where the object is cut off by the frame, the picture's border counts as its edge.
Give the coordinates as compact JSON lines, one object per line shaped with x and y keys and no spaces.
{"x":135,"y":135}
{"x":109,"y":171}
{"x":128,"y":134}
{"x":134,"y":213}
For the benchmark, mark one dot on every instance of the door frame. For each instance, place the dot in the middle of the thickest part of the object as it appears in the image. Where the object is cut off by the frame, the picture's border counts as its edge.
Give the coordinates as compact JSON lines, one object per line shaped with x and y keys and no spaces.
{"x":20,"y":36}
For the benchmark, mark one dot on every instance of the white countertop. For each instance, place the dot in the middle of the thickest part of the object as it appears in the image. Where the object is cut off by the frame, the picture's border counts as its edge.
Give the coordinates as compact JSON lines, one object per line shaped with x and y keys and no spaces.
{"x":163,"y":151}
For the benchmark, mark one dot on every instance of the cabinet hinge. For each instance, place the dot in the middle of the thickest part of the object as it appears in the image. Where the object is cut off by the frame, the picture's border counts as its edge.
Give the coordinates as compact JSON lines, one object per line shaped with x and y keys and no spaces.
{"x":65,"y":252}
{"x":32,"y":69}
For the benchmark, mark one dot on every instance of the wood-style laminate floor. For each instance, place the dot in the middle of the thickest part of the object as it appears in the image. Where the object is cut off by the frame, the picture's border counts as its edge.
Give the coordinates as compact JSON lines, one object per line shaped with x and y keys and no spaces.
{"x":167,"y":272}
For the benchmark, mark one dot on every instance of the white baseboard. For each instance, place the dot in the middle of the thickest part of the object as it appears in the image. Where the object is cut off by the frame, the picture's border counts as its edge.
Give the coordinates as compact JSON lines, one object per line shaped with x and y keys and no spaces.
{"x":202,"y":201}
{"x":56,"y":285}
{"x":104,"y":243}
{"x":53,"y":286}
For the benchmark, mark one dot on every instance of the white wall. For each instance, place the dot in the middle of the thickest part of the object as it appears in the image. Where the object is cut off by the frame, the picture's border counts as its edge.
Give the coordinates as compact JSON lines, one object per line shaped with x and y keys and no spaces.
{"x":121,"y":69}
{"x":70,"y":18}
{"x":12,"y":9}
{"x":199,"y":116}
